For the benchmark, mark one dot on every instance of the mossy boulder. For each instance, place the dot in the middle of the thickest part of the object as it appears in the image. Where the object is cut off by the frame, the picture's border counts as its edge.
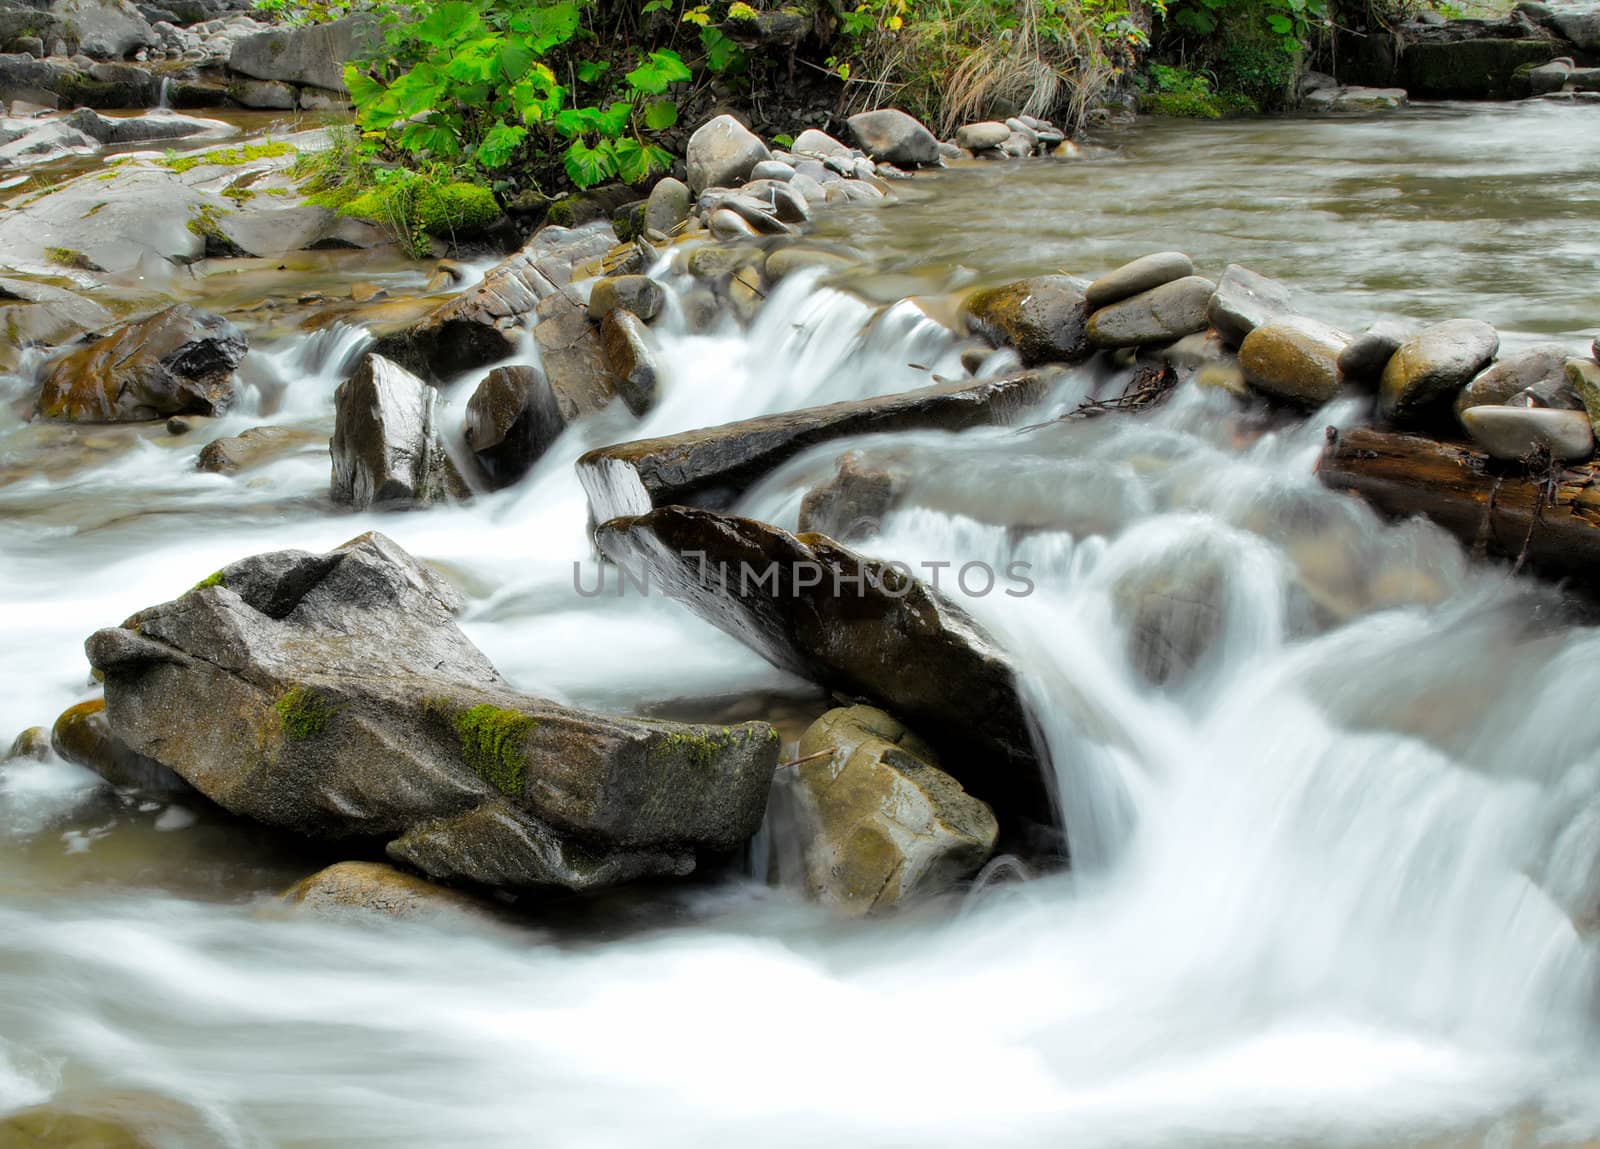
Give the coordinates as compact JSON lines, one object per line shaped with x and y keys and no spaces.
{"x":1295,"y":359}
{"x":178,"y":362}
{"x":879,"y":824}
{"x":332,"y":696}
{"x":1044,"y":319}
{"x":1474,"y":69}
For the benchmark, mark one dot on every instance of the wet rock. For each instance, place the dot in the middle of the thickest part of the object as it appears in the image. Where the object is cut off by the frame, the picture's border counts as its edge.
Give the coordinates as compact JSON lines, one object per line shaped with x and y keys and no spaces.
{"x":772,"y":170}
{"x":1365,"y":356}
{"x":862,"y":627}
{"x":1542,"y":367}
{"x":1356,"y":99}
{"x":1164,"y":313}
{"x":850,"y":506}
{"x":1433,"y":365}
{"x":142,"y":129}
{"x":1044,"y":319}
{"x":483,"y":325}
{"x":891,"y":136}
{"x":48,"y":1127}
{"x":636,"y":293}
{"x":711,"y":467}
{"x":668,"y":205}
{"x":727,"y":224}
{"x":312,"y":54}
{"x":266,"y":95}
{"x":1173,"y":609}
{"x":512,"y":418}
{"x":33,"y":744}
{"x":574,"y":362}
{"x":1468,"y":69}
{"x":372,"y":889}
{"x":1551,"y":77}
{"x":82,"y":735}
{"x":880,"y":824}
{"x":631,"y":358}
{"x":1583,"y":379}
{"x":1294,"y":359}
{"x":385,"y":447}
{"x":251,"y":449}
{"x":1244,"y":300}
{"x":333,"y":696}
{"x":982,"y":137}
{"x":1141,"y":275}
{"x":179,"y":361}
{"x":35,"y":314}
{"x":722,"y":153}
{"x":1516,"y":432}
{"x":787,"y":260}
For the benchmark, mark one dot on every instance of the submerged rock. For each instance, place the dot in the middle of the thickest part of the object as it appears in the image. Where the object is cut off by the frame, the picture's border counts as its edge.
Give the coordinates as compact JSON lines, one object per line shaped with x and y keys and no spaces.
{"x":386,"y":450}
{"x":856,"y":625}
{"x":711,"y":467}
{"x":178,"y":362}
{"x":32,"y":744}
{"x":1433,"y":365}
{"x":637,"y":293}
{"x":251,"y":449}
{"x":574,"y":361}
{"x":34,"y":314}
{"x":1159,"y":315}
{"x":1045,"y":319}
{"x":334,"y":697}
{"x":1517,"y":432}
{"x":372,"y":889}
{"x":82,"y":735}
{"x":880,"y":825}
{"x":48,"y":1127}
{"x":1141,"y":275}
{"x":891,"y":136}
{"x":851,"y":505}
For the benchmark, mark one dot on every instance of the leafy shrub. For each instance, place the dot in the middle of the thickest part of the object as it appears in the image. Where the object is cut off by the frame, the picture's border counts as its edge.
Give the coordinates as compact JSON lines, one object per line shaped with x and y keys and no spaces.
{"x":1175,"y":91}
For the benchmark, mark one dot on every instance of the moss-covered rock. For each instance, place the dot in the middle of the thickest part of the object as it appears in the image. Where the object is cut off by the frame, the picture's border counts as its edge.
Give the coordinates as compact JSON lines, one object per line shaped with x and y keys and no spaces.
{"x":1044,"y":319}
{"x":1481,"y":69}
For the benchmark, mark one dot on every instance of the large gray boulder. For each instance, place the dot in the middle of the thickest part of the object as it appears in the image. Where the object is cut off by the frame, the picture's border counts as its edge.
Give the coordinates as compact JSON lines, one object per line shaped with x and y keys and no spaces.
{"x":879,"y":824}
{"x":386,"y":448}
{"x":859,"y":626}
{"x":1044,"y":319}
{"x":1434,"y":364}
{"x":314,"y":54}
{"x":106,"y":29}
{"x":333,"y":696}
{"x":722,"y":153}
{"x":1580,"y":27}
{"x":177,"y":362}
{"x":891,"y":136}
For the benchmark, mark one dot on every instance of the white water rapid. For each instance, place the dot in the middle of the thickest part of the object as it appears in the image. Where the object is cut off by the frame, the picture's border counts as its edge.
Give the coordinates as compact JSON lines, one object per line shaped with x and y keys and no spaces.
{"x":1332,"y":875}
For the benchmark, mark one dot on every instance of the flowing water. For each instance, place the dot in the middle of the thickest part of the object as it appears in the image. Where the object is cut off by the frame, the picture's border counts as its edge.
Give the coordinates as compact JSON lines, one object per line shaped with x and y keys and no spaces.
{"x":1332,"y":875}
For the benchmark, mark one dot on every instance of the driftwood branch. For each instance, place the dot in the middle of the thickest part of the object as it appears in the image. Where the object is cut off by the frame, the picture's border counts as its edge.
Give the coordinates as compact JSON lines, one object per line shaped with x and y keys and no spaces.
{"x":1547,"y":517}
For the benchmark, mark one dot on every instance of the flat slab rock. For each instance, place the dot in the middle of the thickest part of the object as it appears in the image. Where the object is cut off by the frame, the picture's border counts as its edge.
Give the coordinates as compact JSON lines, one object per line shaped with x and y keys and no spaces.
{"x":713,"y":466}
{"x":334,"y":697}
{"x":861,"y":627}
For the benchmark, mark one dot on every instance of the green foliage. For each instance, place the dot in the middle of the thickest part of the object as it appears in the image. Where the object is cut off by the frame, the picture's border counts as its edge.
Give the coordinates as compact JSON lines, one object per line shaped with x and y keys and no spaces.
{"x":303,"y":712}
{"x":472,"y":86}
{"x":1287,"y":25}
{"x":297,"y":12}
{"x":1175,"y":91}
{"x":494,"y":744}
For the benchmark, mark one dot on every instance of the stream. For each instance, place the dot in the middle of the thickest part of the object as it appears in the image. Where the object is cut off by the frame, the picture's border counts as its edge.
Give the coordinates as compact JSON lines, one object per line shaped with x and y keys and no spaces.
{"x":1337,"y":884}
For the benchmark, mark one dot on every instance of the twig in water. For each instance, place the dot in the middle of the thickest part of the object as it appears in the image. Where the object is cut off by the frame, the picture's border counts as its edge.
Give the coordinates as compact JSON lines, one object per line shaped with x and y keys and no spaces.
{"x":807,"y":758}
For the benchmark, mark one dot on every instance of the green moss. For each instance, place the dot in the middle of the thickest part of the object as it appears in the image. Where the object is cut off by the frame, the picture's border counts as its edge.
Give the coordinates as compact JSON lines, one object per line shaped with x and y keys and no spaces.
{"x":204,"y":222}
{"x":562,"y":213}
{"x":65,"y":257}
{"x":215,"y":578}
{"x":303,"y":712}
{"x":703,"y":751}
{"x":494,"y":744}
{"x":230,"y":157}
{"x":414,"y":206}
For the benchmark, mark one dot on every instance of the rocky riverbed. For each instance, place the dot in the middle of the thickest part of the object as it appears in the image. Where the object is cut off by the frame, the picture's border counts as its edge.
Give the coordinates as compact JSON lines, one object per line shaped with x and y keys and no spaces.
{"x":591,"y":589}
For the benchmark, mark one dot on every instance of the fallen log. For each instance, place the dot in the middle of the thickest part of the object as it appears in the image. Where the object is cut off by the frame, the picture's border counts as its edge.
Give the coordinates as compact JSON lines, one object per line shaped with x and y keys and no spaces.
{"x":1545,"y":518}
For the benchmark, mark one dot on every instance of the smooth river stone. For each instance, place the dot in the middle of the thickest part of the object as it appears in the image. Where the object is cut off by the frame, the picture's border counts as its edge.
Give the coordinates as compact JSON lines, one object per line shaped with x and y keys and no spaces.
{"x":1541,"y":368}
{"x":1295,"y":359}
{"x":1243,"y":301}
{"x":982,"y":137}
{"x":1368,"y":353}
{"x":1433,"y":364}
{"x":1513,"y":432}
{"x":1141,"y":275}
{"x":1159,"y":315}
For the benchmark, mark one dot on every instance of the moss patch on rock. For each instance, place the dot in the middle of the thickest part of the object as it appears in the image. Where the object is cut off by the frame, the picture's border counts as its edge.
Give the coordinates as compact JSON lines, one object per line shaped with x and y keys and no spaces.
{"x":215,"y":578}
{"x":304,"y":713}
{"x":230,"y":157}
{"x":702,"y":750}
{"x":494,"y":744}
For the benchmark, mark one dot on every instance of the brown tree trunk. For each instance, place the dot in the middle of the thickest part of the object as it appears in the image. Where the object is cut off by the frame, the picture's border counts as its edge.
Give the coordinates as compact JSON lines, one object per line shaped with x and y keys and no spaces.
{"x":1552,"y":523}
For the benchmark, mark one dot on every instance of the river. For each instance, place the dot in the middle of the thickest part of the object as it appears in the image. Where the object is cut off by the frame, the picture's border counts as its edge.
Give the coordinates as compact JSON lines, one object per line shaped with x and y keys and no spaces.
{"x":1330,"y":885}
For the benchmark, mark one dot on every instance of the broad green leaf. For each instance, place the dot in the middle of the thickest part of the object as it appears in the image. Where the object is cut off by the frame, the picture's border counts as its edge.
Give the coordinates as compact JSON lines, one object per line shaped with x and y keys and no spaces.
{"x":588,"y":166}
{"x":500,"y":144}
{"x":614,"y":120}
{"x":446,"y":24}
{"x":660,"y":115}
{"x":591,"y":70}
